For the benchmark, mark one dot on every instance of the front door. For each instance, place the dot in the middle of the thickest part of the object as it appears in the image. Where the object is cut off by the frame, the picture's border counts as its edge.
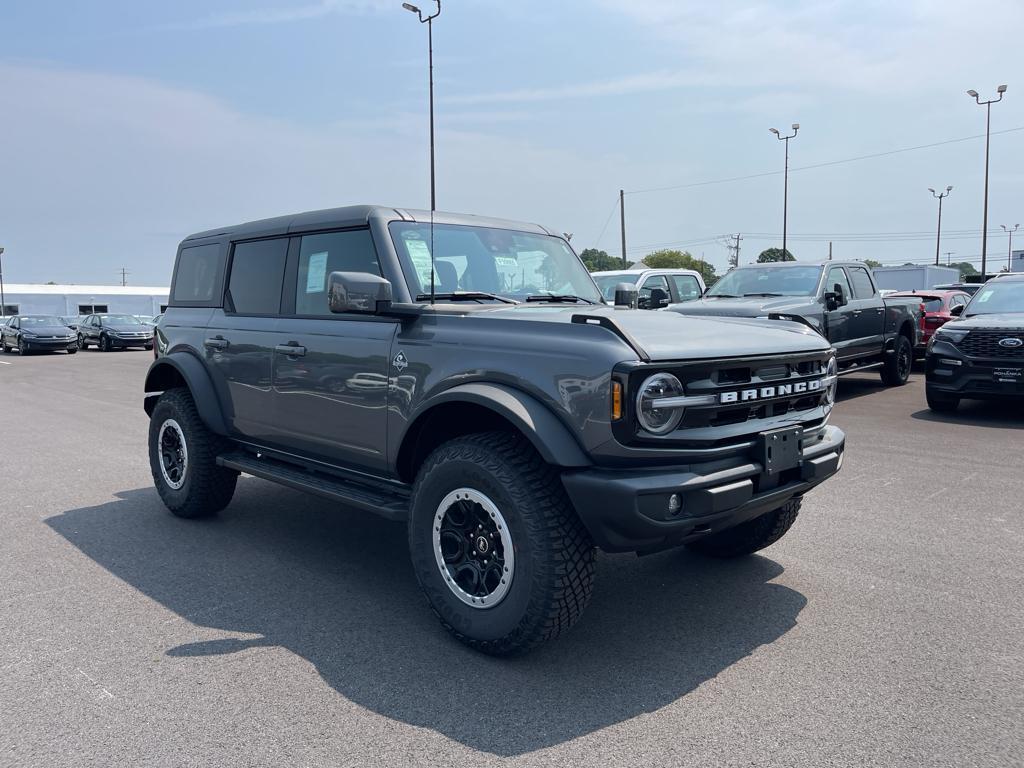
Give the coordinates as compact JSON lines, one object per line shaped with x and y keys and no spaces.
{"x":840,"y":319}
{"x":330,"y":372}
{"x":239,"y":341}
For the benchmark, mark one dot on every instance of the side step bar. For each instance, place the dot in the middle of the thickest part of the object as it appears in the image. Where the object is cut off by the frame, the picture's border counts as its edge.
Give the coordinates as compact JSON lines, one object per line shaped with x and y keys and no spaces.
{"x":855,"y":368}
{"x":389,"y":502}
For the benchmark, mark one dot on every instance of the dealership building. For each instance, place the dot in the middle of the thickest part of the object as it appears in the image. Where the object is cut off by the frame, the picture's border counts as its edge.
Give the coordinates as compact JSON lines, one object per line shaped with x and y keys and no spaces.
{"x":69,"y":300}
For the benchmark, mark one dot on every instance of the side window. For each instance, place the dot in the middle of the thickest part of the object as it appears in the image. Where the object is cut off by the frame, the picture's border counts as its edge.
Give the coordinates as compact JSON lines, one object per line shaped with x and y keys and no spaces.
{"x":14,"y":322}
{"x":838,"y":275}
{"x":257,"y":274}
{"x":319,"y":255}
{"x":658,"y":281}
{"x":195,"y":277}
{"x":862,"y":285}
{"x":687,"y":287}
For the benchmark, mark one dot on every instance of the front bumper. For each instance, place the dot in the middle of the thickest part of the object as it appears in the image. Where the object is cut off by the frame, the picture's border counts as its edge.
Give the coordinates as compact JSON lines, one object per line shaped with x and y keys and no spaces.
{"x":49,"y":344}
{"x":627,"y":510}
{"x":951,"y":373}
{"x":116,"y":341}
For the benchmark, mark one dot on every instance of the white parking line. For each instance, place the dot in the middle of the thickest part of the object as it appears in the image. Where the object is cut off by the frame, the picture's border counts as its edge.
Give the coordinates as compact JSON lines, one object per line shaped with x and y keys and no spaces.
{"x":4,"y":362}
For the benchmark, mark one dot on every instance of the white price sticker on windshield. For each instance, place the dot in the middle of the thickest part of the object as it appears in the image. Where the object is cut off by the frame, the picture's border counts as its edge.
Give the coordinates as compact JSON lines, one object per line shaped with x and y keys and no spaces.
{"x":419,"y":254}
{"x":985,"y":296}
{"x":316,"y":274}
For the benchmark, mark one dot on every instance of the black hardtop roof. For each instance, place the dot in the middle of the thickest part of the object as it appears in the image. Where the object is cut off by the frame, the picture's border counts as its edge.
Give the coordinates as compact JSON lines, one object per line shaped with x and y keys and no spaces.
{"x":356,"y":216}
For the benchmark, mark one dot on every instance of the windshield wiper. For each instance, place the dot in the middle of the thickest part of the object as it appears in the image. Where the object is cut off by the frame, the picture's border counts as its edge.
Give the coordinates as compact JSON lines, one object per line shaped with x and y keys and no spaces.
{"x":722,"y":296}
{"x":559,"y":297}
{"x":745,"y":295}
{"x":466,"y":296}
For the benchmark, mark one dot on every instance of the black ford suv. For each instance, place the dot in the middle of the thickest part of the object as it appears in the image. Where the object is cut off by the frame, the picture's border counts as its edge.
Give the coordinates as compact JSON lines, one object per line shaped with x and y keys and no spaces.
{"x":464,"y":375}
{"x":980,"y":354}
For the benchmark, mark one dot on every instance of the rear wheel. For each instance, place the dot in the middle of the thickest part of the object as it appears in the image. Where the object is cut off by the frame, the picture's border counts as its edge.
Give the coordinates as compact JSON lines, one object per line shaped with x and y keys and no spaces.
{"x":497,"y":548}
{"x":896,"y":369}
{"x":751,"y":536}
{"x":941,"y":403}
{"x":183,"y":458}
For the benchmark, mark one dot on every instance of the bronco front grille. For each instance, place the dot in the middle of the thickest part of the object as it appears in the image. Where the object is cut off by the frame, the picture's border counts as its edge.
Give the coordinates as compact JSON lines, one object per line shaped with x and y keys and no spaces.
{"x":985,"y":343}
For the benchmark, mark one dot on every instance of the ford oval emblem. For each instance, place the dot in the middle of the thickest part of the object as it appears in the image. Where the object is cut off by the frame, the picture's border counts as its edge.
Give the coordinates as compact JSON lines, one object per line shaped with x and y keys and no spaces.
{"x":1011,"y":343}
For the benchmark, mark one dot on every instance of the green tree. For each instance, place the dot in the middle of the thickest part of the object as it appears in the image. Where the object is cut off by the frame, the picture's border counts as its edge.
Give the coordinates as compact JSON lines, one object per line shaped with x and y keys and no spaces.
{"x":872,"y":263}
{"x":770,"y":255}
{"x":599,"y":261}
{"x":666,"y":259}
{"x":965,"y":267}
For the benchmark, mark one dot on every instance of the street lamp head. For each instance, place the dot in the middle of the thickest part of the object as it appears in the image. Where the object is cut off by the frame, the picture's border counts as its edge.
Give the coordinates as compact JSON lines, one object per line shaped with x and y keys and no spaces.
{"x":949,"y":189}
{"x":774,"y":130}
{"x":410,"y":7}
{"x":1001,"y":89}
{"x":796,"y":126}
{"x":973,"y":94}
{"x":931,"y":190}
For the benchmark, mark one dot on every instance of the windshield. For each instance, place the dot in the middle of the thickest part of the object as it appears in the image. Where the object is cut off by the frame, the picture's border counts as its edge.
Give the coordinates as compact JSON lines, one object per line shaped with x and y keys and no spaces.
{"x":30,"y":320}
{"x":499,"y":261}
{"x":758,"y":281}
{"x":607,"y":283}
{"x":997,"y":297}
{"x":119,"y":320}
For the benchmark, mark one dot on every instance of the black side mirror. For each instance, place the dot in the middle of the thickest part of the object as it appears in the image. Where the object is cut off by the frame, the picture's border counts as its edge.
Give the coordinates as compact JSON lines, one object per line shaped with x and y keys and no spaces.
{"x":626,"y":295}
{"x":358,"y":292}
{"x":957,"y":310}
{"x":835,"y":298}
{"x":659,"y":298}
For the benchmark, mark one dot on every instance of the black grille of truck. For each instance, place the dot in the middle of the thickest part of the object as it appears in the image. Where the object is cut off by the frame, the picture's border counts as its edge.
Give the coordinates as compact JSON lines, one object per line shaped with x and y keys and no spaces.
{"x":985,"y":343}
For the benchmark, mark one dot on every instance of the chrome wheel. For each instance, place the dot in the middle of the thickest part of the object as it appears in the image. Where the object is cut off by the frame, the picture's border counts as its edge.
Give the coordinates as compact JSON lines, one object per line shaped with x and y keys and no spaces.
{"x":473,"y":548}
{"x":173,"y":453}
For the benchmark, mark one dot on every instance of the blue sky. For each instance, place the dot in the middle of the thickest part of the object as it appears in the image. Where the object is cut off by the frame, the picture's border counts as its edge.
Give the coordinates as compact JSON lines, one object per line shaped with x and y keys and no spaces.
{"x":128,"y":125}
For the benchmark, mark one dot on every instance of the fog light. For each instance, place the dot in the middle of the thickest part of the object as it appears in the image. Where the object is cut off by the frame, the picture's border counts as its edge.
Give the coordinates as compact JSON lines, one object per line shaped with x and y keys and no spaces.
{"x":675,"y":504}
{"x":950,"y":361}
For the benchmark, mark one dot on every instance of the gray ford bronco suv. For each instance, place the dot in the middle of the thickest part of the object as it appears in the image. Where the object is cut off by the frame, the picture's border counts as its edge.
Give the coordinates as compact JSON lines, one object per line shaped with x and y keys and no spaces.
{"x":513,"y":419}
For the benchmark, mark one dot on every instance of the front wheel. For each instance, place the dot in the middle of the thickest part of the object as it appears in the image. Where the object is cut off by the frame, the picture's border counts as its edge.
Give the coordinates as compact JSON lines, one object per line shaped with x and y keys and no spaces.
{"x":751,"y":536}
{"x":72,"y":351}
{"x":896,"y":369}
{"x":81,"y":342}
{"x":22,"y":347}
{"x":497,"y":548}
{"x":941,"y":403}
{"x":183,"y":459}
{"x":105,"y":344}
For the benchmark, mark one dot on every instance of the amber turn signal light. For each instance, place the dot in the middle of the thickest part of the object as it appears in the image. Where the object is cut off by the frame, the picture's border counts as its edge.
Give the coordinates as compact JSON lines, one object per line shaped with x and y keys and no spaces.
{"x":616,"y":400}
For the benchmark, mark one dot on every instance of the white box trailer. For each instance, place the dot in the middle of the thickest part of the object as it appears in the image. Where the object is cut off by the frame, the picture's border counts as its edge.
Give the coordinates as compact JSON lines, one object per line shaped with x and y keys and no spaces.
{"x":70,"y":300}
{"x":915,"y":278}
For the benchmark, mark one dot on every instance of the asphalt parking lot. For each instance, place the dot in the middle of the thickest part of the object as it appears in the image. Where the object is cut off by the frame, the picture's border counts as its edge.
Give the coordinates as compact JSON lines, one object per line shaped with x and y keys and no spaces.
{"x":886,"y":629}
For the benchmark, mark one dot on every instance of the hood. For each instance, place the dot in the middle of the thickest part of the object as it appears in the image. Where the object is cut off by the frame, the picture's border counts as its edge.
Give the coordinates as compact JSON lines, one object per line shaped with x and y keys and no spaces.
{"x":671,"y":336}
{"x":1010,"y":321}
{"x":48,"y":330}
{"x":753,"y":306}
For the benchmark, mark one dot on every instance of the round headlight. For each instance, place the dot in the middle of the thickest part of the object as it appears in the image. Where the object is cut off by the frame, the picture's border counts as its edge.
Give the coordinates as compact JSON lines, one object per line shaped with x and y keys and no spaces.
{"x":831,"y":371}
{"x":658,"y":421}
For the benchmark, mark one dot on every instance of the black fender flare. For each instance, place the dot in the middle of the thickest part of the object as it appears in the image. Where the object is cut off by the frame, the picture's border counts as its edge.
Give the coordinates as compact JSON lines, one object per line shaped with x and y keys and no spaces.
{"x":552,"y":439}
{"x":169,"y":371}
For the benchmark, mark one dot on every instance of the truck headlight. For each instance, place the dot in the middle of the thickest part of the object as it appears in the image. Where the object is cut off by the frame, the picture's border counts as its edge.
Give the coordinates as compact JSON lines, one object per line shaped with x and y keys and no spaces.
{"x":658,"y":421}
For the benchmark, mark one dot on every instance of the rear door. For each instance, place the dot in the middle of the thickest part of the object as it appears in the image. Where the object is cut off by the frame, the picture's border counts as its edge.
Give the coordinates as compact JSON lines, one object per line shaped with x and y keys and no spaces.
{"x":685,"y":287}
{"x":868,"y":323}
{"x":330,"y":371}
{"x":239,"y":339}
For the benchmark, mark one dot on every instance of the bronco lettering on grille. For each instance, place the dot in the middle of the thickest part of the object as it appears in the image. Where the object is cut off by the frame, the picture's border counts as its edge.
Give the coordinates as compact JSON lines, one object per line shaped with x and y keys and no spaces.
{"x":768,"y":393}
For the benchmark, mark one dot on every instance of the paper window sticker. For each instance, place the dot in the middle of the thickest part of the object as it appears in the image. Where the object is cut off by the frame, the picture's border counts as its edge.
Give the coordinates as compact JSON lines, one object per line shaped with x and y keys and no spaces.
{"x":316,"y":275}
{"x":419,"y":254}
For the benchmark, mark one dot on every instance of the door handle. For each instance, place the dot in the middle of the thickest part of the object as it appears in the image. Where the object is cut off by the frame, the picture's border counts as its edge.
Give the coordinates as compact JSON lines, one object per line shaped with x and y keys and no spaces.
{"x":857,"y":312}
{"x":291,"y":349}
{"x":216,"y":343}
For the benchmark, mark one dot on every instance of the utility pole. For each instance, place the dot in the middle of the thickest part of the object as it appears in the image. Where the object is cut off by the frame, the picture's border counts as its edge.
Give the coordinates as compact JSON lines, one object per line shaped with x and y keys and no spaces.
{"x":622,"y":224}
{"x":734,"y":249}
{"x":948,"y":254}
{"x":988,"y":126}
{"x":124,"y":276}
{"x":830,"y":250}
{"x":1009,"y":247}
{"x":3,"y":299}
{"x":938,"y":231}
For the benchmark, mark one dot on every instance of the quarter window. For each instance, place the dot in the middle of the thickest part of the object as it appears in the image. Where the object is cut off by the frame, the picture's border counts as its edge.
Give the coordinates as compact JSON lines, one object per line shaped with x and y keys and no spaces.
{"x":687,"y":287}
{"x":196,"y":275}
{"x":319,"y":255}
{"x":862,"y":285}
{"x":257,"y":273}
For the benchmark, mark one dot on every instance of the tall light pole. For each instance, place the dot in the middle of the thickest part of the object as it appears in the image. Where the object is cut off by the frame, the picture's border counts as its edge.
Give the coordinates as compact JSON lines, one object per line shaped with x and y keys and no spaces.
{"x":988,"y":125}
{"x":785,"y":182}
{"x":429,"y":21}
{"x":949,"y":254}
{"x":938,"y":232}
{"x":1009,"y":247}
{"x":3,"y":299}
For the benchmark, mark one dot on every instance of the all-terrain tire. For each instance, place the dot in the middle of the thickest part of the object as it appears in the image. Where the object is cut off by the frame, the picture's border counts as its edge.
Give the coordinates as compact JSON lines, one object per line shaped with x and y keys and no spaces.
{"x":896,"y":369}
{"x":553,"y":574}
{"x":205,"y":488}
{"x":941,"y":403}
{"x":751,"y":536}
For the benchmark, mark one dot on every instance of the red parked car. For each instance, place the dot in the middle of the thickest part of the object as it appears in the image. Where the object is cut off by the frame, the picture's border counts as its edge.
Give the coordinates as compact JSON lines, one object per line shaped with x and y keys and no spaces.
{"x":935,"y":308}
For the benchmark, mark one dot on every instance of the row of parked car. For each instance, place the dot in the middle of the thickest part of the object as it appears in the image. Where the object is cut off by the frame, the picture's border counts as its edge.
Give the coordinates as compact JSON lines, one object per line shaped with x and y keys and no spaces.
{"x":52,"y":333}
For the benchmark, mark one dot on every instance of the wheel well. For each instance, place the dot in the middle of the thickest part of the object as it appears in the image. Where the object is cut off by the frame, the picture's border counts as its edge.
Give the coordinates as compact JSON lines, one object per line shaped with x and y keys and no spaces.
{"x":440,"y":424}
{"x":161,"y":379}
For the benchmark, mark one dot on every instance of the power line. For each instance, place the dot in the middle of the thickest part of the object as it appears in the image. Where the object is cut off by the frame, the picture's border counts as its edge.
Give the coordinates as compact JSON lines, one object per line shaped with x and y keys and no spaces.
{"x":819,"y":165}
{"x":597,"y":243}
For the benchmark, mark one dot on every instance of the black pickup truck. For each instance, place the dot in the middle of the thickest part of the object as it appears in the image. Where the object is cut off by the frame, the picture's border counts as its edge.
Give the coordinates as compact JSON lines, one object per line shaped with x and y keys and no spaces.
{"x":837,"y":299}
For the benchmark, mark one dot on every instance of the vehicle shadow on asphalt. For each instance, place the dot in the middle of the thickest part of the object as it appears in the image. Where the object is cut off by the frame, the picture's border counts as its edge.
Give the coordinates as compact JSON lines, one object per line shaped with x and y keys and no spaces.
{"x":1000,"y":414}
{"x":336,"y":588}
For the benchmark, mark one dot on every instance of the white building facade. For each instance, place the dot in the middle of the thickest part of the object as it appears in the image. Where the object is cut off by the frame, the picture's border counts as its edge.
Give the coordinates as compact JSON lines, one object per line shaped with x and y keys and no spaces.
{"x":71,"y":300}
